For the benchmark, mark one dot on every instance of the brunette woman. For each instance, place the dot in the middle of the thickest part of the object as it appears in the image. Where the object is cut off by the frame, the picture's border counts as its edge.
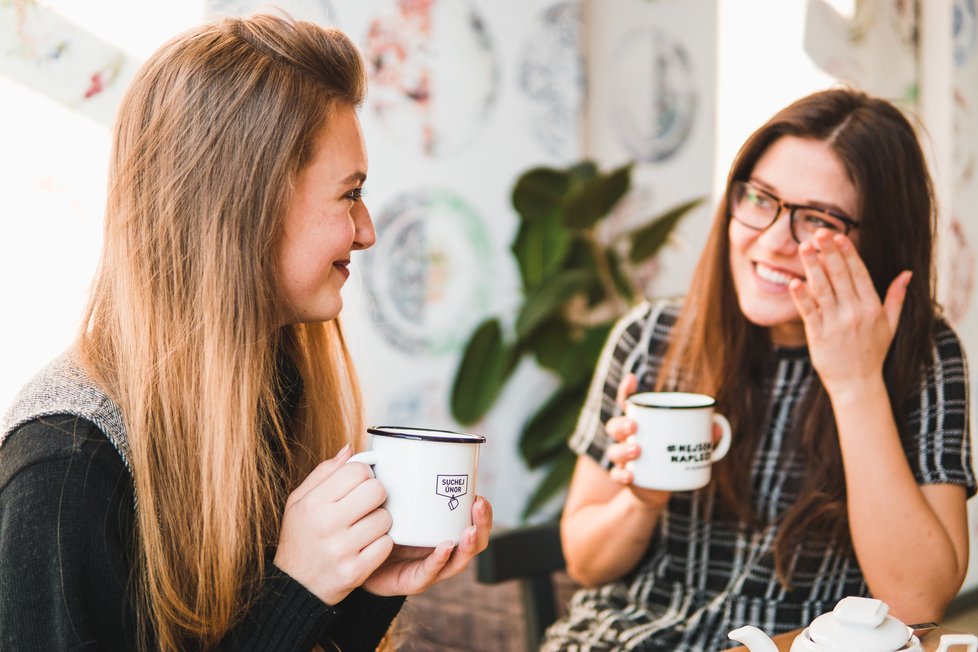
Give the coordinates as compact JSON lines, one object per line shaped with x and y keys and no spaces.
{"x":812,"y":320}
{"x":177,"y":479}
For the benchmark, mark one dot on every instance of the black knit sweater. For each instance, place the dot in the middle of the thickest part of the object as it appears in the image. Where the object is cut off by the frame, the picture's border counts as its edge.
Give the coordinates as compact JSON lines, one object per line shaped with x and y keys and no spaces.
{"x":66,"y":533}
{"x":67,"y":519}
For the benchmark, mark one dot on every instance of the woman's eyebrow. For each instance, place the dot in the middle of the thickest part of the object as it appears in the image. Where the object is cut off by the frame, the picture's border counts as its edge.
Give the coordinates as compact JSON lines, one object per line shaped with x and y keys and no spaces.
{"x":357,"y":176}
{"x":763,"y":185}
{"x":814,"y":203}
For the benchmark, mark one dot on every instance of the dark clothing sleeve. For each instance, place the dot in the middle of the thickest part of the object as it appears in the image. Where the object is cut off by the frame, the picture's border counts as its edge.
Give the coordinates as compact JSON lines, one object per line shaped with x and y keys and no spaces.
{"x":939,"y":450}
{"x":66,"y":572}
{"x":373,"y":616}
{"x":636,"y":344}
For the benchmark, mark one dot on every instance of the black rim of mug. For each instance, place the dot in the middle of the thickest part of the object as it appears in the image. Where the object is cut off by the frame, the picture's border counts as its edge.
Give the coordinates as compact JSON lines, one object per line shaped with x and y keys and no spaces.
{"x":709,"y":402}
{"x":421,"y":434}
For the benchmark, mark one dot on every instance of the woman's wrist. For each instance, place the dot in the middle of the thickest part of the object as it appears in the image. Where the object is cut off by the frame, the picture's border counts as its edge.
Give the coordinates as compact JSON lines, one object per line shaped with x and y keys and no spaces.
{"x":641,"y":502}
{"x":856,"y":392}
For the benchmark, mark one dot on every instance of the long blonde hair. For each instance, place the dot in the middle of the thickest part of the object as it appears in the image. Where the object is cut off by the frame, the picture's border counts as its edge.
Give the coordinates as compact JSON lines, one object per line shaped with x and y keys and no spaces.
{"x":183,"y":329}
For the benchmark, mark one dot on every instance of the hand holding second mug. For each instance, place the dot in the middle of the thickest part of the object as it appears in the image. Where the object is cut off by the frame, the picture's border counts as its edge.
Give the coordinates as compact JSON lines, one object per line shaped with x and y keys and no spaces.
{"x":410,"y":570}
{"x":334,"y":530}
{"x":847,"y":329}
{"x":625,"y":449}
{"x":628,"y":450}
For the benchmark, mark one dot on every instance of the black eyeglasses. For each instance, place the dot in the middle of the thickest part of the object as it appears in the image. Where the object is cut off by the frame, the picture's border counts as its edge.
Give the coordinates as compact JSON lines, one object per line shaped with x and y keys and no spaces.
{"x":758,"y":209}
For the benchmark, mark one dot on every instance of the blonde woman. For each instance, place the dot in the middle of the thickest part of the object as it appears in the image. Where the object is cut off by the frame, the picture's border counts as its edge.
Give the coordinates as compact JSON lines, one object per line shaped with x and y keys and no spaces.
{"x":162,"y":484}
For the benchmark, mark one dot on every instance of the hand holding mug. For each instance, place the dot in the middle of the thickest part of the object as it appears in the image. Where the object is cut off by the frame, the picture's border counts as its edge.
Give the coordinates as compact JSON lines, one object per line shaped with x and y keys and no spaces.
{"x":410,"y":569}
{"x":430,"y":477}
{"x":673,"y":445}
{"x":625,"y":451}
{"x":334,"y":529}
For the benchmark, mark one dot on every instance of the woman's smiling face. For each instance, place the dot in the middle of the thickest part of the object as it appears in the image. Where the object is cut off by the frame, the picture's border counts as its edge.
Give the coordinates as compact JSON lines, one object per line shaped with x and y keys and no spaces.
{"x":326,"y":221}
{"x":798,"y":171}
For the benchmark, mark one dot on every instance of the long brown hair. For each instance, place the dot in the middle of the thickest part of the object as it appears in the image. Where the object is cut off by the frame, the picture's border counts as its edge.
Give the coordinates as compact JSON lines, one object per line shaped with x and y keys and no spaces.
{"x":184,"y":326}
{"x":719,"y":351}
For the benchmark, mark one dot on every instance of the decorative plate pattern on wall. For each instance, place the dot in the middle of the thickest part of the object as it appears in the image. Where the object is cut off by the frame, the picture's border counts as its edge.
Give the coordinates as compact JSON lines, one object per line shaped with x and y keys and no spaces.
{"x":433,"y":73}
{"x":965,"y":30}
{"x":552,"y":76}
{"x":654,"y":104}
{"x":431,"y":272}
{"x":56,"y":57}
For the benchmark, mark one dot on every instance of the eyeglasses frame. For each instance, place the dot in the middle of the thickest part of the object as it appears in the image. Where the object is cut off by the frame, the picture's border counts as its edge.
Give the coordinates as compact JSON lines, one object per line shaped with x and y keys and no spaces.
{"x":849,"y":223}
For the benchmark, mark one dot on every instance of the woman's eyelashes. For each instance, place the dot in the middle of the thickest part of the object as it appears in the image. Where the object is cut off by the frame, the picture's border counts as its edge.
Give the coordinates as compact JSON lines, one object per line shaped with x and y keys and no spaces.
{"x":355,"y":195}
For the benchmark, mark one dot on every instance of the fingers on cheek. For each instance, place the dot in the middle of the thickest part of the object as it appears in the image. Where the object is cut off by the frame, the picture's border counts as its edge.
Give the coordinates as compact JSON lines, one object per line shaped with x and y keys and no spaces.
{"x":808,"y":253}
{"x":817,"y":268}
{"x":797,"y":289}
{"x":803,"y":300}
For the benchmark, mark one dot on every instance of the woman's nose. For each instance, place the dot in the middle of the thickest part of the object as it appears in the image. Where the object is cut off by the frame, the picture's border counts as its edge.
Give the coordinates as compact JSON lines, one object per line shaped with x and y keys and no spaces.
{"x":365,"y":236}
{"x":778,"y":237}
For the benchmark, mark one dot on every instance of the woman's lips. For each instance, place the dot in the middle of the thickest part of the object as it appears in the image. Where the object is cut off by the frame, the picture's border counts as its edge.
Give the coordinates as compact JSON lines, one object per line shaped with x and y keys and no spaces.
{"x":343,"y":267}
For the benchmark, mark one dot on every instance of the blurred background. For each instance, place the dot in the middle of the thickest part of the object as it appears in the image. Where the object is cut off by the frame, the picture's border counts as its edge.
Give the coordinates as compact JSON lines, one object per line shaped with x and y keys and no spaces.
{"x":465,"y":97}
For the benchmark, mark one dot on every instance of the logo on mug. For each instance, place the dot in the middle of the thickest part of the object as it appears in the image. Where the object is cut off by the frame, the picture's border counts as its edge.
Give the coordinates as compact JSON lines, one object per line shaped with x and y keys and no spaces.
{"x":451,"y":487}
{"x":683,"y":453}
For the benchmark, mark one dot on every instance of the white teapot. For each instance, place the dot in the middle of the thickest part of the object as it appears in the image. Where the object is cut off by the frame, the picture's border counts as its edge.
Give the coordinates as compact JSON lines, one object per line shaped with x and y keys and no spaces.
{"x":855,"y":625}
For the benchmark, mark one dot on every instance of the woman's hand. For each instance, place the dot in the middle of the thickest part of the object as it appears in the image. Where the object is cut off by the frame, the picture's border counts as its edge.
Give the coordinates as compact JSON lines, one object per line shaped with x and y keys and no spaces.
{"x":847,"y":329}
{"x":626,"y":449}
{"x":411,"y":570}
{"x":334,"y":530}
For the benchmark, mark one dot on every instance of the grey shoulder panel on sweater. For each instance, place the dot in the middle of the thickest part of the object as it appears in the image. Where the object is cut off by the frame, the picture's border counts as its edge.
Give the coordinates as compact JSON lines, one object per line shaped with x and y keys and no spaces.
{"x":63,"y":387}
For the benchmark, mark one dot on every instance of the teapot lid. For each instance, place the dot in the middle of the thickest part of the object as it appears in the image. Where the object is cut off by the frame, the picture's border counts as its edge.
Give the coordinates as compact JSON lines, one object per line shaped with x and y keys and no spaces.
{"x":859,"y":624}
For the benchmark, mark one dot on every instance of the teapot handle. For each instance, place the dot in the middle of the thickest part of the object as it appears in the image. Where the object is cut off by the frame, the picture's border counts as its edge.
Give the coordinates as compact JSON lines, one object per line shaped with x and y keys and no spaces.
{"x":949,"y":640}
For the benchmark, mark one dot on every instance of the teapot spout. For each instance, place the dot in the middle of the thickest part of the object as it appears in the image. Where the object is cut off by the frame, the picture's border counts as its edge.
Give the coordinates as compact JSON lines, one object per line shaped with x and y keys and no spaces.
{"x":754,"y":639}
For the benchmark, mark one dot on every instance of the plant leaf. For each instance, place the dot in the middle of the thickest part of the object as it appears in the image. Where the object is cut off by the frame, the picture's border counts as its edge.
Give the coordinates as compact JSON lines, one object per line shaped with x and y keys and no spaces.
{"x":582,"y":171}
{"x":570,"y":352}
{"x":647,"y":240}
{"x":553,"y":344}
{"x":591,"y":200}
{"x":539,"y":192}
{"x":549,"y":297}
{"x":557,"y":478}
{"x":540,"y":247}
{"x":579,"y":255}
{"x":482,"y":371}
{"x":547,"y":432}
{"x":593,"y":343}
{"x":621,"y":281}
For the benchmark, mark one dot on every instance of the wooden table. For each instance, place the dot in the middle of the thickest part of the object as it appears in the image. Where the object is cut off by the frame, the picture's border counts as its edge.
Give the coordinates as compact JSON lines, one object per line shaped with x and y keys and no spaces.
{"x":929,"y":640}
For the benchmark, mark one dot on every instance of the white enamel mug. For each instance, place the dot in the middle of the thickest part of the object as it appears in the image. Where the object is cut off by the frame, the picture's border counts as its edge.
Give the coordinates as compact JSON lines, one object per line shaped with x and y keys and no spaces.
{"x":675,"y":435}
{"x":430,"y":478}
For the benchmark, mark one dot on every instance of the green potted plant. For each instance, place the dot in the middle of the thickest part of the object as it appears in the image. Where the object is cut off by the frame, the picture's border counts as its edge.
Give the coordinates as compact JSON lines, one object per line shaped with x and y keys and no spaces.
{"x":576,"y":284}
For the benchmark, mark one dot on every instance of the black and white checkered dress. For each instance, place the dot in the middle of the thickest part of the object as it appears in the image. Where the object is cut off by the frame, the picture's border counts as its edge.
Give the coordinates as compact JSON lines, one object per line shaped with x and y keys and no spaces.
{"x":705,"y":573}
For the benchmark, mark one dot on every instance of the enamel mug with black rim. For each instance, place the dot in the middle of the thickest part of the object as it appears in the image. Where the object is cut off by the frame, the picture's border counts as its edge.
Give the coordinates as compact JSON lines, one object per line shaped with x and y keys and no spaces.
{"x":675,"y":438}
{"x":430,"y":479}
